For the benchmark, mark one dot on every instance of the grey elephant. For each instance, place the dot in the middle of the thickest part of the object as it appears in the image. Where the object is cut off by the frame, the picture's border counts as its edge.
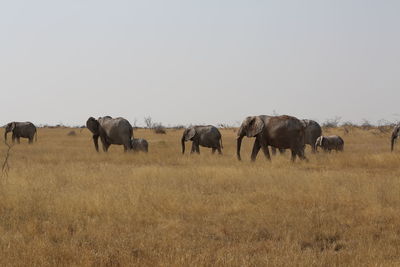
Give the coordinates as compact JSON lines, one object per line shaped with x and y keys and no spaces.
{"x":112,"y":131}
{"x":282,"y":132}
{"x":395,"y":135}
{"x":139,"y":144}
{"x":21,"y":129}
{"x":329,"y":143}
{"x":312,"y":130}
{"x":206,"y":136}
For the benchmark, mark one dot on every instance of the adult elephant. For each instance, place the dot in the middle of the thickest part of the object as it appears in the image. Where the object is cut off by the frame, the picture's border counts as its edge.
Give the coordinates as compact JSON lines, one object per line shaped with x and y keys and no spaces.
{"x":112,"y":131}
{"x":206,"y":136}
{"x":21,"y":129}
{"x":282,"y":132}
{"x":395,"y":135}
{"x":312,"y":130}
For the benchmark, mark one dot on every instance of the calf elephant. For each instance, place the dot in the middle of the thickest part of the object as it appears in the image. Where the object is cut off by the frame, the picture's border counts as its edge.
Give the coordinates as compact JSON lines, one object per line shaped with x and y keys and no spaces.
{"x":139,"y":144}
{"x":312,"y":130}
{"x":282,"y":132}
{"x":112,"y":131}
{"x":328,"y":143}
{"x":206,"y":136}
{"x":395,"y":135}
{"x":21,"y":129}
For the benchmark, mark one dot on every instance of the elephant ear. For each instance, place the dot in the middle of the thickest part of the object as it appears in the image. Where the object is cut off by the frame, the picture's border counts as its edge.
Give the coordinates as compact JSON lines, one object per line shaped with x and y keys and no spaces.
{"x":12,"y":126}
{"x":254,"y":126}
{"x":93,"y":125}
{"x":190,"y":133}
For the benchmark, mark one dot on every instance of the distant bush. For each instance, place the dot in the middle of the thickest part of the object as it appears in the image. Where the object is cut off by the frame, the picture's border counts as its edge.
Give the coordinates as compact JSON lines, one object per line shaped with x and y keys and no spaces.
{"x":178,"y":127}
{"x":71,"y":133}
{"x":158,"y":128}
{"x":225,"y":126}
{"x":331,"y":123}
{"x":366,"y":125}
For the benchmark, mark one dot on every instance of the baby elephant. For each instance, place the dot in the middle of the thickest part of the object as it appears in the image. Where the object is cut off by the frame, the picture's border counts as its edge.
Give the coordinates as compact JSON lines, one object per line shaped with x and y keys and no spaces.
{"x":330,"y":142}
{"x":139,"y":144}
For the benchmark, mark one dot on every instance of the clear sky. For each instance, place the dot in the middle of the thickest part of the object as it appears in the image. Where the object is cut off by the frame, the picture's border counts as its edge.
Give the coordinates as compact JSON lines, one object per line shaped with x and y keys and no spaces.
{"x":208,"y":61}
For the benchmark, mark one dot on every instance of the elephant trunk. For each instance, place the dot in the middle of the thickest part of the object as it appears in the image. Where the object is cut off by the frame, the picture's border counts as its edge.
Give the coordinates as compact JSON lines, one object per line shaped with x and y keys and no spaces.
{"x":96,"y":142}
{"x":392,"y":142}
{"x":183,"y":145}
{"x":239,"y":144}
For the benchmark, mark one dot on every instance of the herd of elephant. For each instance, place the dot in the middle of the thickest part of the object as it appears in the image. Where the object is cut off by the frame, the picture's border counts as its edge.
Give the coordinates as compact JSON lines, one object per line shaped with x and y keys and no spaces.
{"x":278,"y":132}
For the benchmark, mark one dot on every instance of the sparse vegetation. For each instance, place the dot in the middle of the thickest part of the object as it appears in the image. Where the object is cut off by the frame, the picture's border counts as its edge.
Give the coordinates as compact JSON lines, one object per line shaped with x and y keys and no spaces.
{"x":63,"y":204}
{"x":331,"y":123}
{"x":159,"y":128}
{"x":71,"y":133}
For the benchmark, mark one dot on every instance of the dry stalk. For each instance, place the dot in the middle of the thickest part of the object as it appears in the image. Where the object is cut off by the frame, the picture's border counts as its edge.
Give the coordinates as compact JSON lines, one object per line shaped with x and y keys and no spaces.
{"x":5,"y":166}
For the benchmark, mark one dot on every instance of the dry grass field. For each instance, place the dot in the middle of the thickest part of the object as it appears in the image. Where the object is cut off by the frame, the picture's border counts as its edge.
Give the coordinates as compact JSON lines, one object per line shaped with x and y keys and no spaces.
{"x":63,"y":204}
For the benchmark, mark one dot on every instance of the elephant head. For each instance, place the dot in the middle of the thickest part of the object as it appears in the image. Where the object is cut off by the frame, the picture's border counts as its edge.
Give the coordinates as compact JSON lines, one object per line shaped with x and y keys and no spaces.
{"x":188,"y":135}
{"x":395,"y":134}
{"x":93,"y":125}
{"x":250,"y":127}
{"x":9,"y":128}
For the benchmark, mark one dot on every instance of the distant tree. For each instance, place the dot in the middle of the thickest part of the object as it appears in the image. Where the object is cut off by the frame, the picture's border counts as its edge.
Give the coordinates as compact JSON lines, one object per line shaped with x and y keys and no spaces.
{"x":149,"y":122}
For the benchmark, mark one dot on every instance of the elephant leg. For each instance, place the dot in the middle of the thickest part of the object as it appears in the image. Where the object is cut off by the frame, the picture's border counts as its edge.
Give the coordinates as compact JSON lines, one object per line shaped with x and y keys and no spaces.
{"x":213,"y":150}
{"x":105,"y":144}
{"x":266,"y":151}
{"x":197,"y":149}
{"x":256,"y":148}
{"x":219,"y":150}
{"x":18,"y":140}
{"x":30,"y":140}
{"x":301,"y":154}
{"x":13,"y":138}
{"x":294,"y":153}
{"x":128,"y":146}
{"x":273,"y":150}
{"x":313,"y":149}
{"x":281,"y":151}
{"x":193,"y":150}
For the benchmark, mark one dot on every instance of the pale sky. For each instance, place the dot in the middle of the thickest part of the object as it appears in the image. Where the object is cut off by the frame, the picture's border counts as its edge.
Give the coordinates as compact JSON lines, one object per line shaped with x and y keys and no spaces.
{"x":199,"y":62}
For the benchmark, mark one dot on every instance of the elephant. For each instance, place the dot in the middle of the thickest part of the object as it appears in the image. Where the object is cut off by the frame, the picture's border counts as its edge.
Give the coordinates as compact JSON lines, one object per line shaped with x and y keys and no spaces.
{"x":112,"y":131}
{"x":395,"y":135}
{"x":311,"y":132}
{"x":206,"y":136}
{"x":328,"y":143}
{"x":21,"y":129}
{"x":139,"y":144}
{"x":282,"y":132}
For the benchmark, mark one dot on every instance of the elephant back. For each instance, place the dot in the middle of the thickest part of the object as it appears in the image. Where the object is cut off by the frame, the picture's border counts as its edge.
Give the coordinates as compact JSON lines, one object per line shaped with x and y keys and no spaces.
{"x":209,"y":135}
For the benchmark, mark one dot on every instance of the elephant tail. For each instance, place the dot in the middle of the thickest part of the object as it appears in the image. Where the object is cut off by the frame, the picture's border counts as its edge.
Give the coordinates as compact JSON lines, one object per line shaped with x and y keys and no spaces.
{"x":36,"y":135}
{"x":220,"y":140}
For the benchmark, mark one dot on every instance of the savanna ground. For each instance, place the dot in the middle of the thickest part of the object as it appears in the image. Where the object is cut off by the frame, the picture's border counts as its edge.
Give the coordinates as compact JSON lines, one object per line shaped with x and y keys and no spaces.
{"x":63,"y":204}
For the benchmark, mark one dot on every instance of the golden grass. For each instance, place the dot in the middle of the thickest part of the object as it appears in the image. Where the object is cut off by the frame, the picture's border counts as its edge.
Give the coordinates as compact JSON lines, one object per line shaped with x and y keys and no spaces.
{"x":63,"y":204}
